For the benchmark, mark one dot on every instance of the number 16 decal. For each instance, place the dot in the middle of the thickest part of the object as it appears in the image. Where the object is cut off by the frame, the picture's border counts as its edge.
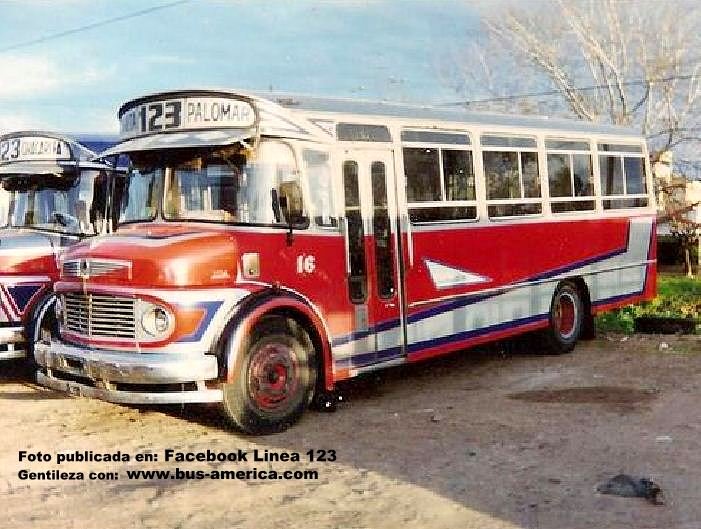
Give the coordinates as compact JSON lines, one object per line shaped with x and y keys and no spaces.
{"x":306,"y":264}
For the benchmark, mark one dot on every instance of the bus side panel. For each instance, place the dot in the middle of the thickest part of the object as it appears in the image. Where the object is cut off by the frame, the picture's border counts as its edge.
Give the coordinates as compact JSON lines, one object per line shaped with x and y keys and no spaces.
{"x":509,"y":272}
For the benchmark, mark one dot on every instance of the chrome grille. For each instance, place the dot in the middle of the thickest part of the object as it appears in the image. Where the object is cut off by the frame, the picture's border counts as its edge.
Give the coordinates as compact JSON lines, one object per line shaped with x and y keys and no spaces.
{"x":93,"y":267}
{"x":94,"y":315}
{"x":71,"y":269}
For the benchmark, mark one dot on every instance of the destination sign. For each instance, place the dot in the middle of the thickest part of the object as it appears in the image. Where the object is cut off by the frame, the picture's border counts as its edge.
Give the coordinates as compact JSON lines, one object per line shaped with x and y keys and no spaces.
{"x":33,"y":148}
{"x":186,"y":114}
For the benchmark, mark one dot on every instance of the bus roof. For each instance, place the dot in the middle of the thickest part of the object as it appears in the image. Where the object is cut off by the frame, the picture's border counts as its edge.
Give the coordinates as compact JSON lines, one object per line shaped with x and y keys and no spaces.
{"x":161,"y":120}
{"x":425,"y":112}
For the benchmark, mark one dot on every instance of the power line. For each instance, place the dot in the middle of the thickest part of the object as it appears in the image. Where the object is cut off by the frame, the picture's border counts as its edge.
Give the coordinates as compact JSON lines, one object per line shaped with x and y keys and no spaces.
{"x":92,"y":25}
{"x":637,"y":82}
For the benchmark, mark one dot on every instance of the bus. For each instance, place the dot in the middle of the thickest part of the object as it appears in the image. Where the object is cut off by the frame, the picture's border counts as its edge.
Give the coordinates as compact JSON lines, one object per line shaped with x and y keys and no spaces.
{"x":269,"y":247}
{"x":55,"y":195}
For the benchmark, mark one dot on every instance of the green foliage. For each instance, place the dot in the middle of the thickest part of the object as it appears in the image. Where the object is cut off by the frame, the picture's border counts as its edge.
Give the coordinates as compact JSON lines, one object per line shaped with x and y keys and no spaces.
{"x":677,"y":297}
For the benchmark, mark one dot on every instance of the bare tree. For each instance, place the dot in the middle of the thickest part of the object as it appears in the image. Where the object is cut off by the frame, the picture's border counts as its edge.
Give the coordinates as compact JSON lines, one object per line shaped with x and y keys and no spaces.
{"x":678,"y":215}
{"x":629,"y":63}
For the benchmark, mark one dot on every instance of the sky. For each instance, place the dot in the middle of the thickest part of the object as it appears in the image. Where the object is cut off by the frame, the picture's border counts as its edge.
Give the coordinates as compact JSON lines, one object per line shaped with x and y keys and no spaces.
{"x":54,"y":78}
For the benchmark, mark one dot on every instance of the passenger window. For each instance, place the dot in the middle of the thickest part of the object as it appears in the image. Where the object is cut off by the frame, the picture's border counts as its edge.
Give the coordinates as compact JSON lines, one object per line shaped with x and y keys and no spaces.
{"x":423,"y":175}
{"x":623,"y":175}
{"x":511,"y":175}
{"x":570,"y":175}
{"x":357,"y":281}
{"x":440,"y":179}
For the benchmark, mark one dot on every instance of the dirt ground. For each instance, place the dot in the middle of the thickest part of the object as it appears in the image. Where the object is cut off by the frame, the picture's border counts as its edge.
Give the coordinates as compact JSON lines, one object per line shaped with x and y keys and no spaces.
{"x":480,"y":439}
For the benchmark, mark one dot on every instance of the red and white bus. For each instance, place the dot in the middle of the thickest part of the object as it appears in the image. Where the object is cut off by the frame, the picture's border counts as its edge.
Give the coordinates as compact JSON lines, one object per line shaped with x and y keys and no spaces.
{"x":269,"y":247}
{"x":54,"y":196}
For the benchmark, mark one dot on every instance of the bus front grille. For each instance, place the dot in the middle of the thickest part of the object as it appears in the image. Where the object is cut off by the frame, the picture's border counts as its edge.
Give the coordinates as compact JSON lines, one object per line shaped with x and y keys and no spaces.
{"x":99,"y":316}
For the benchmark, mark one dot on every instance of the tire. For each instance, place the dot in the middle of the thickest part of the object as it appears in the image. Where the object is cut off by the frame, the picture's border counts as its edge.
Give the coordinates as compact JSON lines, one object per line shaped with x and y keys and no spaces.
{"x":566,"y":319}
{"x":274,"y":380}
{"x":43,"y":326}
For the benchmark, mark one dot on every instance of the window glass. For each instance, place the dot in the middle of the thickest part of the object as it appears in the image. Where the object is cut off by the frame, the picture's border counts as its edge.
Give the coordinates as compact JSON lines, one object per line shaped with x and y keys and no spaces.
{"x":611,"y":175}
{"x":361,"y":132}
{"x":317,"y":167}
{"x":622,"y":203}
{"x":489,"y":140}
{"x":442,"y":213}
{"x":140,"y":199}
{"x":611,"y":147}
{"x":422,"y":136}
{"x":512,"y":210}
{"x":501,"y":174}
{"x":529,"y":170}
{"x":583,"y":175}
{"x":635,"y":178}
{"x":384,"y":262}
{"x":423,"y":179}
{"x":577,"y":205}
{"x":458,"y":175}
{"x":357,"y":280}
{"x":559,"y":178}
{"x":566,"y":145}
{"x":71,"y":203}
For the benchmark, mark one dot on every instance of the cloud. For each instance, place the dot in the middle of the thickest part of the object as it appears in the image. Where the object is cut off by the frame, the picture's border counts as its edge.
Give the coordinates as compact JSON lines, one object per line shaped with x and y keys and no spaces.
{"x":13,"y":121}
{"x":27,"y":76}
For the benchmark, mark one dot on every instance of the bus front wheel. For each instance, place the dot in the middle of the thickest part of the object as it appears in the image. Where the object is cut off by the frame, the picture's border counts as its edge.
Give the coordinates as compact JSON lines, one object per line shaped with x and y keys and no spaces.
{"x":274,"y":377}
{"x":565,"y":319}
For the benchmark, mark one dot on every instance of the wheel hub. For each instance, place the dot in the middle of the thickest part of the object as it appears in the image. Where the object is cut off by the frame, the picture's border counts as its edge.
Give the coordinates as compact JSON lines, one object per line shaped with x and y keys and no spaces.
{"x":272,"y":376}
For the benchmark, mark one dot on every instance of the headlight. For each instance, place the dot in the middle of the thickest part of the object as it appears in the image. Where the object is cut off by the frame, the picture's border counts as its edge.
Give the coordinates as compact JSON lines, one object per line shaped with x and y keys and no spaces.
{"x":156,"y":321}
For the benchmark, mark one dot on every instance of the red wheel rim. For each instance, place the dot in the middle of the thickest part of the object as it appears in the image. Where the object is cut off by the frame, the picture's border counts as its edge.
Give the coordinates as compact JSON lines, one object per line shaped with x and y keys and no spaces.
{"x":565,"y":315}
{"x":272,"y":376}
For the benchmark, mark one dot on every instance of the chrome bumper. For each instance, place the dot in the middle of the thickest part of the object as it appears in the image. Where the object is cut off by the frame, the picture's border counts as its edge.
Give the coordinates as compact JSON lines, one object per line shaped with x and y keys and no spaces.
{"x":102,"y":370}
{"x":13,"y":343}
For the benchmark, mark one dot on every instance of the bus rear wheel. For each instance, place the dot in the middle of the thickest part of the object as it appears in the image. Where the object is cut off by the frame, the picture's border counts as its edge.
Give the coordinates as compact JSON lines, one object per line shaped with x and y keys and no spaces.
{"x":565,"y":320}
{"x":274,"y":378}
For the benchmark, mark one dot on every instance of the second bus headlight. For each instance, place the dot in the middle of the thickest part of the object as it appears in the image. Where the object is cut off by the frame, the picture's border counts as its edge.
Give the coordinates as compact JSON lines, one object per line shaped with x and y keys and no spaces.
{"x":156,"y":321}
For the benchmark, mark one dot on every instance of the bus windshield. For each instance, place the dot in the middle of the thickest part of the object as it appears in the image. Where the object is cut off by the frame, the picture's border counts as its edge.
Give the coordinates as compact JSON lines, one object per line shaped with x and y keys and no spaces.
{"x":227,"y":185}
{"x":61,"y":204}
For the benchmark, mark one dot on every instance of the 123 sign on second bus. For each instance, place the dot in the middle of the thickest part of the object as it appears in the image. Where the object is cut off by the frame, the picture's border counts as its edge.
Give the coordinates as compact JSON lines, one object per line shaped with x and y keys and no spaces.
{"x":186,"y":114}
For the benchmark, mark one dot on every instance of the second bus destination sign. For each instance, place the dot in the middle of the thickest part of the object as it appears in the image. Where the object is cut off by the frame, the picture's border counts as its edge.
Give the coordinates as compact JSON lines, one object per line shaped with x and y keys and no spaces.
{"x":186,"y":114}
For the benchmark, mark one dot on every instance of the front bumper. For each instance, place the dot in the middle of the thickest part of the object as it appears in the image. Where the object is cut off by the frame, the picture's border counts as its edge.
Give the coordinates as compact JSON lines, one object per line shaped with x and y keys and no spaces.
{"x":127,"y":378}
{"x":13,"y":343}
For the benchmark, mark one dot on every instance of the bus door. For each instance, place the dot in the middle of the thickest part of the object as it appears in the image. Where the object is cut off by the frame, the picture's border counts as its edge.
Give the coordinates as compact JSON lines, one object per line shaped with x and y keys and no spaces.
{"x":371,"y":244}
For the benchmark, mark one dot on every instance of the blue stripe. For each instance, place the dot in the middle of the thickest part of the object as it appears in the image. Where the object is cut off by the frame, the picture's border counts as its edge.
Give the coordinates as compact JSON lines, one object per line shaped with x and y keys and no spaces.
{"x":366,"y":359}
{"x":427,"y":344}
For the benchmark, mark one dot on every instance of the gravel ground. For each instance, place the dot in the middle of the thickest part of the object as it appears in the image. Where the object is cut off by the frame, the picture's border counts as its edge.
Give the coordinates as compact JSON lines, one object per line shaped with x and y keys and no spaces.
{"x":484,"y":439}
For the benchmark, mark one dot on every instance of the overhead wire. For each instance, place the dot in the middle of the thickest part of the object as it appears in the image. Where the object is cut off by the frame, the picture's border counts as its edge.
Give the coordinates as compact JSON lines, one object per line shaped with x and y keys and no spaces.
{"x":92,"y":25}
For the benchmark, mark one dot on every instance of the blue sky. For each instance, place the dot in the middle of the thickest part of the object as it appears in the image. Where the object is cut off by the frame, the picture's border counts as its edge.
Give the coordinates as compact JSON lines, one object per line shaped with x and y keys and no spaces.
{"x":374,"y":49}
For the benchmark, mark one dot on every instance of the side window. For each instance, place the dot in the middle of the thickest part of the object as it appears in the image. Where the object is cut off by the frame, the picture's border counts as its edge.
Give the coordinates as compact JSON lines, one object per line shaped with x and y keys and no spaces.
{"x":570,"y":175}
{"x":384,"y":262}
{"x":511,"y":175}
{"x":440,"y":176}
{"x":357,"y":281}
{"x":317,"y":167}
{"x":622,"y":173}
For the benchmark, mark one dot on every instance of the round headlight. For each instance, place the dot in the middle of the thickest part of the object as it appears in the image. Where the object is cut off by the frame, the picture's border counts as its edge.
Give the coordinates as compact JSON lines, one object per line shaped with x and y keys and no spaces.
{"x":156,"y":321}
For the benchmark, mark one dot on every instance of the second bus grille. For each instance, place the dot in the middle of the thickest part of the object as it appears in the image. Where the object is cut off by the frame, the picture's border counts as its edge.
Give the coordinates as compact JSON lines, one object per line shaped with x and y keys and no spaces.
{"x":101,"y":316}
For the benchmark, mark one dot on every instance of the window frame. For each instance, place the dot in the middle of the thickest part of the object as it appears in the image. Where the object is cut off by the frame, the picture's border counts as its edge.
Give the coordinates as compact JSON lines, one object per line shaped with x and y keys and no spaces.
{"x":469,"y":147}
{"x":570,"y":153}
{"x":536,"y":149}
{"x":628,"y":150}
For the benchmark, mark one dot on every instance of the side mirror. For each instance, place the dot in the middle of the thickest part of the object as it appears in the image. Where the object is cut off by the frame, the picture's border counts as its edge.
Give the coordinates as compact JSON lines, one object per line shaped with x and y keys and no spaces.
{"x":291,"y":204}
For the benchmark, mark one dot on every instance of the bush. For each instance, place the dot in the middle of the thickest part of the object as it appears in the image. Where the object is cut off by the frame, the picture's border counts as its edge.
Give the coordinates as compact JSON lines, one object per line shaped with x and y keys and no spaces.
{"x":677,"y":297}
